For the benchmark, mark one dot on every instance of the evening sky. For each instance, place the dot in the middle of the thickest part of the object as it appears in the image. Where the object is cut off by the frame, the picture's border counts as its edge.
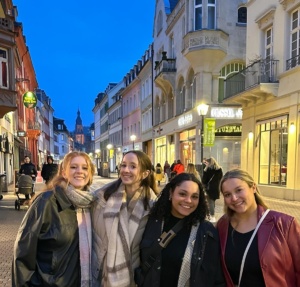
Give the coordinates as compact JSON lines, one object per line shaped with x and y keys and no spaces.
{"x":78,"y":47}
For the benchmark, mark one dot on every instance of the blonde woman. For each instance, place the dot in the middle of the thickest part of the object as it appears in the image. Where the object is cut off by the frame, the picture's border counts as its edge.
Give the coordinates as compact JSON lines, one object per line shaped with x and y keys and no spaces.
{"x":192,"y":169}
{"x":53,"y":244}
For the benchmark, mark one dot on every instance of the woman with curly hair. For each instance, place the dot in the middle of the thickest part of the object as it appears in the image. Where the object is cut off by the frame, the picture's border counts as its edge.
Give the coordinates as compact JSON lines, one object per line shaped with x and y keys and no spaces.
{"x":119,"y":217}
{"x":192,"y":256}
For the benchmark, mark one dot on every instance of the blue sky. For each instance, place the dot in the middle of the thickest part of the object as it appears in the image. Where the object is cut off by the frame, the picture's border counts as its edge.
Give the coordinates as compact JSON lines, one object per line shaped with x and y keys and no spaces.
{"x":77,"y":48}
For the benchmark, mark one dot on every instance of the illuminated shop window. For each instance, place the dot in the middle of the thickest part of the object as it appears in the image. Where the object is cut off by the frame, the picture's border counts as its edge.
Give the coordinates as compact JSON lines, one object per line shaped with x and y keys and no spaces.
{"x":273,"y":148}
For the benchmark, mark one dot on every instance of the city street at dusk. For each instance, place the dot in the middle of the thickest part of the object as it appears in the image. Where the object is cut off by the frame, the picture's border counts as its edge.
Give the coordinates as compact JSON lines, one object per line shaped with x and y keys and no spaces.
{"x":10,"y":220}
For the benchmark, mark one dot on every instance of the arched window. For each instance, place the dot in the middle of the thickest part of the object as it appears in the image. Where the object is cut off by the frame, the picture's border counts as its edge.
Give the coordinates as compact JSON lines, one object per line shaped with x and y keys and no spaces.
{"x":225,"y":72}
{"x":242,"y":15}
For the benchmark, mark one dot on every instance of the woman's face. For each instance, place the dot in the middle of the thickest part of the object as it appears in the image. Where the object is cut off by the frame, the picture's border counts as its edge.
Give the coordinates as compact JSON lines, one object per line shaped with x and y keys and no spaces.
{"x":238,"y":196}
{"x":130,"y":171}
{"x":77,"y":173}
{"x":185,"y":199}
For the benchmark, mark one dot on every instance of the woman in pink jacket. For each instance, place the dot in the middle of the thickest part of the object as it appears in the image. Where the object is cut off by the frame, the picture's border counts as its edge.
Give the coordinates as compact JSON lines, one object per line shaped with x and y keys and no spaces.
{"x":272,"y":259}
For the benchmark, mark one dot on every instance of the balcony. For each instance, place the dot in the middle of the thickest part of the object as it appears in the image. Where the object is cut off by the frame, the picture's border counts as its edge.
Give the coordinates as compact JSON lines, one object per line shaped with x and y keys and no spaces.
{"x":205,"y":48}
{"x":293,"y":62}
{"x":256,"y":81}
{"x":8,"y":101}
{"x":33,"y":129}
{"x":165,"y":72}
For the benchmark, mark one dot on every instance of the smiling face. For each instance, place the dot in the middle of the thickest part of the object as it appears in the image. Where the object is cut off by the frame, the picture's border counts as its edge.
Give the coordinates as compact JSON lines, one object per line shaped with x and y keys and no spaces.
{"x":185,"y":199}
{"x":77,"y":172}
{"x":130,"y":171}
{"x":239,"y":196}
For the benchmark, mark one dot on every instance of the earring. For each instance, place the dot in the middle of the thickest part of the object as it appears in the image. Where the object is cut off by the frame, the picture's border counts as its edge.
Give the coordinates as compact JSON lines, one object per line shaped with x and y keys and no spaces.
{"x":170,"y":197}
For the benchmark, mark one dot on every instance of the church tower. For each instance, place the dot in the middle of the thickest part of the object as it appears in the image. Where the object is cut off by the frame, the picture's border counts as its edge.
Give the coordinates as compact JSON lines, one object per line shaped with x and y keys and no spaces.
{"x":79,"y":135}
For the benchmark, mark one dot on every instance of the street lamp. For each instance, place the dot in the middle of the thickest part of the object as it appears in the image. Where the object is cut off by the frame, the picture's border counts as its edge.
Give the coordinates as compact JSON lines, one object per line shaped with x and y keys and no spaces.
{"x":202,"y":111}
{"x":133,"y":138}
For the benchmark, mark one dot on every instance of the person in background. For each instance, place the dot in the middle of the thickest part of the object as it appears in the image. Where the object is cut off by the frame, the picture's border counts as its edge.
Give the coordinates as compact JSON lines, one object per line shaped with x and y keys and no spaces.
{"x":117,"y":169}
{"x":167,"y":171}
{"x":273,"y":257}
{"x":172,"y":168}
{"x":192,"y":169}
{"x":193,"y":255}
{"x":28,"y":168}
{"x":179,"y":167}
{"x":53,"y":244}
{"x":49,"y":169}
{"x":158,"y":173}
{"x":212,"y":175}
{"x":119,"y":216}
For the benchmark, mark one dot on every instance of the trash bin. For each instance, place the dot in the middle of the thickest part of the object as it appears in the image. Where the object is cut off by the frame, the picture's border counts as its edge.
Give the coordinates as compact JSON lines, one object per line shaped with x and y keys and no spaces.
{"x":3,"y":183}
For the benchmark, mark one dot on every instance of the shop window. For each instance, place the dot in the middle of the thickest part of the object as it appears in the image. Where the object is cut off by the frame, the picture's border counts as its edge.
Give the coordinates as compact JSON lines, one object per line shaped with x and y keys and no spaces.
{"x":273,"y":138}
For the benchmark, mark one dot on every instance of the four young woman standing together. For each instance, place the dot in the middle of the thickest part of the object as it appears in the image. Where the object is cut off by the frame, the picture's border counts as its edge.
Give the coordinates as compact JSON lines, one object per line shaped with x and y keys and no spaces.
{"x":123,"y":234}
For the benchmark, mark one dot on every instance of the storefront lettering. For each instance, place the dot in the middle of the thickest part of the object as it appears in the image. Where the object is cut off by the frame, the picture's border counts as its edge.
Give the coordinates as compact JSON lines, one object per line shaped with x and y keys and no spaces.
{"x":229,"y":129}
{"x":184,"y":120}
{"x":233,"y":113}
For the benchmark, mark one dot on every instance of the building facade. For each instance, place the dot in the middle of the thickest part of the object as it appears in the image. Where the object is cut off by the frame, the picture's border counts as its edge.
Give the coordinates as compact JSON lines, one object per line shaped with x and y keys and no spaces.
{"x":269,"y":91}
{"x":197,"y":45}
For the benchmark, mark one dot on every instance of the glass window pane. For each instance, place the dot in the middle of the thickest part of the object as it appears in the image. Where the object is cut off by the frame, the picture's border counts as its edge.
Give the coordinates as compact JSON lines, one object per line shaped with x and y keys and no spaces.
{"x":198,"y":2}
{"x":211,"y":18}
{"x":198,"y":18}
{"x":264,"y":158}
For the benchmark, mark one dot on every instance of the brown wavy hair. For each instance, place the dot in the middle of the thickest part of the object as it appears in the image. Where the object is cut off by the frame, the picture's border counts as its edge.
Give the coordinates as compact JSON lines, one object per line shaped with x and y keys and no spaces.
{"x":147,"y":183}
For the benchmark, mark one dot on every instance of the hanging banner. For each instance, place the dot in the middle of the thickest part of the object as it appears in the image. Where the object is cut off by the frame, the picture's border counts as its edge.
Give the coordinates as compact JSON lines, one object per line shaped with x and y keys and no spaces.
{"x":209,"y":132}
{"x":29,"y":100}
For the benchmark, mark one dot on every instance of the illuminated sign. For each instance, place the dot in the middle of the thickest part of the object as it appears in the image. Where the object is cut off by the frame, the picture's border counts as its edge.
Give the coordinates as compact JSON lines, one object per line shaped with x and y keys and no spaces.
{"x":226,"y":113}
{"x":233,"y":130}
{"x":29,"y":100}
{"x":185,"y":120}
{"x":21,"y":133}
{"x":209,"y":132}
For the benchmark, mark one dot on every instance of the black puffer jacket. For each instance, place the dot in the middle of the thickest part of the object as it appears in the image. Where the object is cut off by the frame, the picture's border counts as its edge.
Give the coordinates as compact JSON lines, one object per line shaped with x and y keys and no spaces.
{"x":206,"y":259}
{"x":46,"y":251}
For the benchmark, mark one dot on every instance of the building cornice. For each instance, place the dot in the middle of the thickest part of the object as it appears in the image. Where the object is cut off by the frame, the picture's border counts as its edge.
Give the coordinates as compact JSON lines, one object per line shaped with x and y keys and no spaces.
{"x":266,"y":18}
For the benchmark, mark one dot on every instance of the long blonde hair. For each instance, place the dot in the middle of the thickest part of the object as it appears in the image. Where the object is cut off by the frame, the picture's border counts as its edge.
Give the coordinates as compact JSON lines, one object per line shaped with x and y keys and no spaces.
{"x":212,"y":163}
{"x":192,"y":169}
{"x":246,"y":177}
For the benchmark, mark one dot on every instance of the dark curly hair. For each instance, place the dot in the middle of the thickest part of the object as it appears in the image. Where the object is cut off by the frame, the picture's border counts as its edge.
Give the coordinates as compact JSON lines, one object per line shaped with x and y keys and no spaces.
{"x":162,"y":207}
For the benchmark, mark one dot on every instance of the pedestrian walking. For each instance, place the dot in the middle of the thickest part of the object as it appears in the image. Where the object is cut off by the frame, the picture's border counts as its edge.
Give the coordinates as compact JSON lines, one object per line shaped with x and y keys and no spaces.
{"x":167,"y":171}
{"x":53,"y":244}
{"x":159,"y":175}
{"x":260,"y":247}
{"x":178,"y":168}
{"x":179,"y":247}
{"x":28,"y":168}
{"x":49,"y":169}
{"x":192,"y":169}
{"x":212,"y":175}
{"x":119,"y":216}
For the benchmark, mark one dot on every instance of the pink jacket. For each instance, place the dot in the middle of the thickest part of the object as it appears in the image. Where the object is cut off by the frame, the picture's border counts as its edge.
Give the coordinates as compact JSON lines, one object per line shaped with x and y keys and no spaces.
{"x":279,"y":249}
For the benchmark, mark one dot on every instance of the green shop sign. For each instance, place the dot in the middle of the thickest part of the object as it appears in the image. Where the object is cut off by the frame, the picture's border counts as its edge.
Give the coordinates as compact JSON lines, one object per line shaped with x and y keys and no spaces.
{"x":29,"y":100}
